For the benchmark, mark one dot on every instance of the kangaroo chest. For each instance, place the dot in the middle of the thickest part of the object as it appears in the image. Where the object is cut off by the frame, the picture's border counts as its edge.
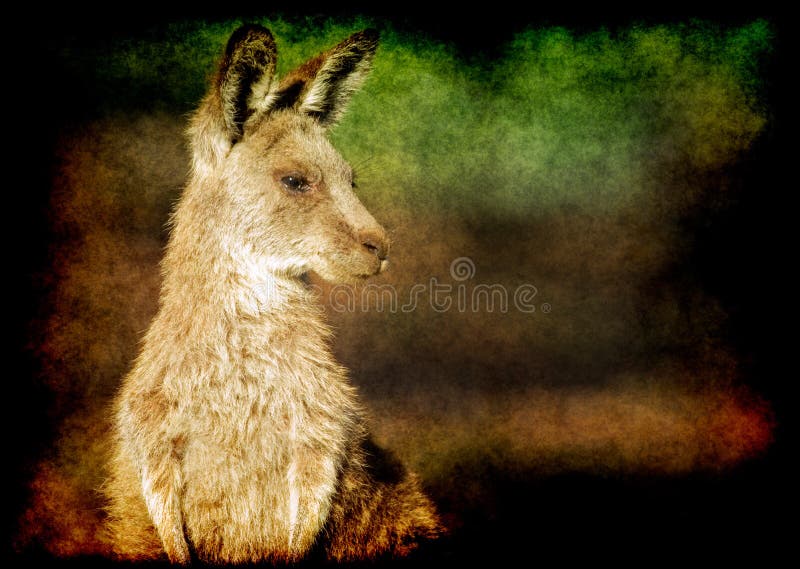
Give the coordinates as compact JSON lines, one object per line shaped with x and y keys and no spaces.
{"x":265,"y":438}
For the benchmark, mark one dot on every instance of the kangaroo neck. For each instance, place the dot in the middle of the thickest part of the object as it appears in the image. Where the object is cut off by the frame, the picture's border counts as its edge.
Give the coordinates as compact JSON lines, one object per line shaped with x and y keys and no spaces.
{"x":204,"y":272}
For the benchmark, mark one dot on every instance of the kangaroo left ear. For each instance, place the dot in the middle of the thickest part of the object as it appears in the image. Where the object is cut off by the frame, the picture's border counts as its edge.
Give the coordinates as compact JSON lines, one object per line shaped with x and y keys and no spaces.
{"x":322,"y":86}
{"x":245,"y":75}
{"x":242,"y":82}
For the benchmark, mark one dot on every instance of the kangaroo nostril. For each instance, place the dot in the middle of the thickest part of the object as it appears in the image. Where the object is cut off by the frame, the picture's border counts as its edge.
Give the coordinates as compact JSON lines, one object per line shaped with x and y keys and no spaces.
{"x":376,"y":245}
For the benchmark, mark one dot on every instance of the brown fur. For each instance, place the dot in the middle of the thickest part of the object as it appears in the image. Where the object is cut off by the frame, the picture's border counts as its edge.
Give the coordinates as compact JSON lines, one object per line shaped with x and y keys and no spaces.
{"x":238,"y":437}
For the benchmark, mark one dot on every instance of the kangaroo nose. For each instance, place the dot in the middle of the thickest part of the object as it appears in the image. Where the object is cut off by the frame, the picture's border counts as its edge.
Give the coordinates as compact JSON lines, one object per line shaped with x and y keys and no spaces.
{"x":376,"y":243}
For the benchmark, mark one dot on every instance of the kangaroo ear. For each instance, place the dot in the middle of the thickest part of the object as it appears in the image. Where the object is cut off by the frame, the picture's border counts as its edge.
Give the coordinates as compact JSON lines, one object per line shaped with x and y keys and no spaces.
{"x":322,"y":86}
{"x":245,"y":75}
{"x":239,"y":90}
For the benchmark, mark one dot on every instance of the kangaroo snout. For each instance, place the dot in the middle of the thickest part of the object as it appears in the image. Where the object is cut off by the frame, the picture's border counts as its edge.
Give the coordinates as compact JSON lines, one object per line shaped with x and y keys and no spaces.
{"x":375,"y":241}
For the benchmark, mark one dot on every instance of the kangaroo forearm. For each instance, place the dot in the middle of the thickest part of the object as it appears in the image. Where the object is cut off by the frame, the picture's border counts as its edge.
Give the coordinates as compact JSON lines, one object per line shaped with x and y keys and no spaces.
{"x":160,"y":489}
{"x":147,"y":441}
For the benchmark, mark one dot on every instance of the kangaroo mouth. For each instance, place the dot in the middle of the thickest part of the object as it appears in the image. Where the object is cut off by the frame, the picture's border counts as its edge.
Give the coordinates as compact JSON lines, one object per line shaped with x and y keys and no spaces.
{"x":380,"y":268}
{"x":375,"y":265}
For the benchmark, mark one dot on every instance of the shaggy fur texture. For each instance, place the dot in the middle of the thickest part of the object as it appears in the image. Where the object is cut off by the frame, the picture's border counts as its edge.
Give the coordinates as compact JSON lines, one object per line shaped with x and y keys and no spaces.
{"x":238,"y":437}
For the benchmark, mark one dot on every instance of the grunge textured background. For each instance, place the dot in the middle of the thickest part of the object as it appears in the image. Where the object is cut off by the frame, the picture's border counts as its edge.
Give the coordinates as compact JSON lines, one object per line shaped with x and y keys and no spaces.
{"x":621,"y":173}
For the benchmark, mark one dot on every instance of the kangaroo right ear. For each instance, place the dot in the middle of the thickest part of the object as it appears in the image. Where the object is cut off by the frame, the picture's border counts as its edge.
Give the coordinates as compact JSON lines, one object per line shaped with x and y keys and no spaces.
{"x":323,"y":85}
{"x":241,"y":85}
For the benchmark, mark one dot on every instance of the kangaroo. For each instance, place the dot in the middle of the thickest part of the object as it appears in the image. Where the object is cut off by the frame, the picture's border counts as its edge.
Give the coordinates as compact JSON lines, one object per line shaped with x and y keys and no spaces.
{"x":237,"y":436}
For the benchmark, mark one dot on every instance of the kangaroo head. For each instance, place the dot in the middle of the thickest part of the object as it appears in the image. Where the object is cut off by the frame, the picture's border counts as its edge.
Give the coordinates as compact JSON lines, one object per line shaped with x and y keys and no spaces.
{"x":272,"y":180}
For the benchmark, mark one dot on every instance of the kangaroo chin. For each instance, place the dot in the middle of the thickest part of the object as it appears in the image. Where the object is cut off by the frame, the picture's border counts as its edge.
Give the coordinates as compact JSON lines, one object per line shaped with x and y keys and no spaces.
{"x":238,"y":437}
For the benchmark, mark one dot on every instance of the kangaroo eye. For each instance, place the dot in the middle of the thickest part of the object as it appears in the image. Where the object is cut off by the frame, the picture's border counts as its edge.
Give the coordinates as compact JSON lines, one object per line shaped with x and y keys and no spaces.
{"x":294,"y":183}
